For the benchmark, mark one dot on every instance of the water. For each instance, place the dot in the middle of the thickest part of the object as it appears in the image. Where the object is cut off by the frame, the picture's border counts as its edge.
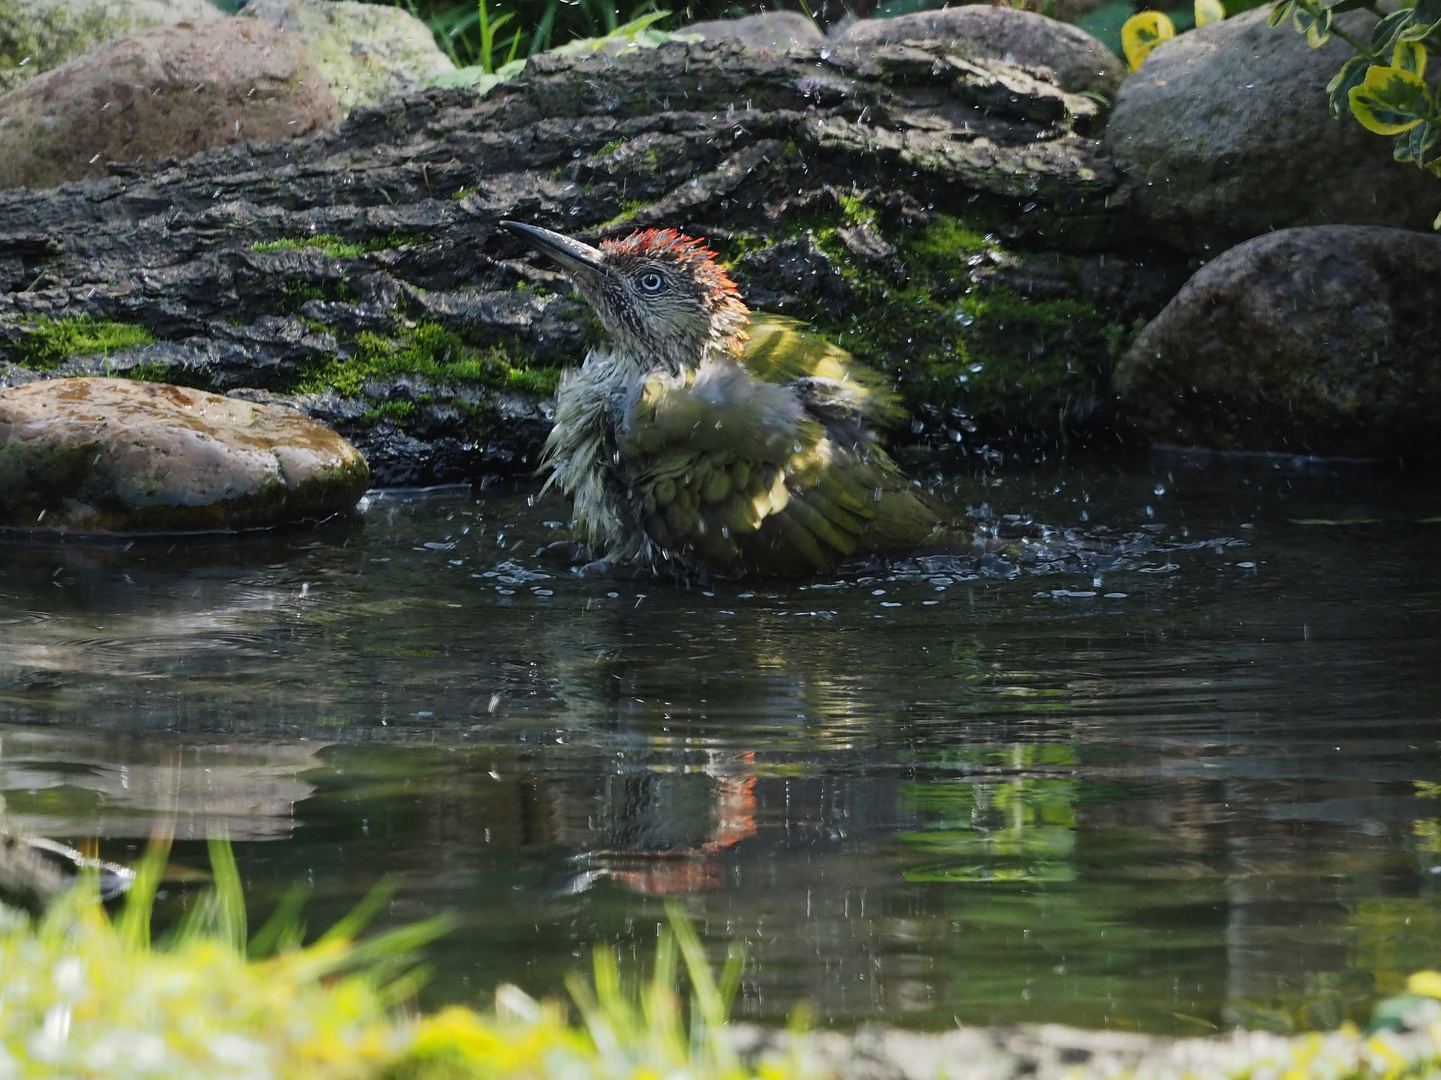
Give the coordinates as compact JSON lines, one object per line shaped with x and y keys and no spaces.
{"x":1172,"y":770}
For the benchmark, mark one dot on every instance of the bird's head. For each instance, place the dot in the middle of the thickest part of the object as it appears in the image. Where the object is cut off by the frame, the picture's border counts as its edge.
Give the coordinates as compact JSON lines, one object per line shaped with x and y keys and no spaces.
{"x":661,"y":296}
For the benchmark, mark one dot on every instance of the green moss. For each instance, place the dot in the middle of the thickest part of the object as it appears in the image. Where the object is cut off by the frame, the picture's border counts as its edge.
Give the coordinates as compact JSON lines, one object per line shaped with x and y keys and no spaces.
{"x":399,"y":411}
{"x":962,"y":356}
{"x":338,"y":248}
{"x":737,"y":246}
{"x":433,"y":352}
{"x":462,"y":192}
{"x":610,"y":148}
{"x":628,"y":210}
{"x":48,"y":343}
{"x":149,"y":373}
{"x":298,"y":293}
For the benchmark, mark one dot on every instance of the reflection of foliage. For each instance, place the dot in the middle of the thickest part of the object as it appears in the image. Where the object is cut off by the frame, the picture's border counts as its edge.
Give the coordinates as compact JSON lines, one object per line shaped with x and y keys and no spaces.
{"x":1323,"y":1000}
{"x":1018,"y":829}
{"x":1394,"y":936}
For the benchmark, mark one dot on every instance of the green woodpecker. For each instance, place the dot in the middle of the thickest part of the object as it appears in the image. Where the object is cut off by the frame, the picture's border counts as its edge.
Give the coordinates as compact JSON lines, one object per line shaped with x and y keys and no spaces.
{"x":713,"y":438}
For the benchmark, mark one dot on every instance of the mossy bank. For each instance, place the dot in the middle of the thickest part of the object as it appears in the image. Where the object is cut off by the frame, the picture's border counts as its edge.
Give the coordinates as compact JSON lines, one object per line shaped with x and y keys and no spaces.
{"x":360,"y":275}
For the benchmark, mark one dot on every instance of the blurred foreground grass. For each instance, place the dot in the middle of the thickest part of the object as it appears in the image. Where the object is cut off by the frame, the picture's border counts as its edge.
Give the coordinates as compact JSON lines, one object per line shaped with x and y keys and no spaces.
{"x":85,"y":994}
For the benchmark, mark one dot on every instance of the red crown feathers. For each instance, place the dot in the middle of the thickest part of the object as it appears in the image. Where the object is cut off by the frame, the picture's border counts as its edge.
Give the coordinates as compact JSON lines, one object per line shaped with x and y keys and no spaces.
{"x":687,"y":250}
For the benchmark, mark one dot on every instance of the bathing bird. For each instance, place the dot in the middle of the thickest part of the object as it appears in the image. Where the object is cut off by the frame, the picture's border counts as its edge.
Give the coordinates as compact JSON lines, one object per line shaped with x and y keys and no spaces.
{"x":705,"y":437}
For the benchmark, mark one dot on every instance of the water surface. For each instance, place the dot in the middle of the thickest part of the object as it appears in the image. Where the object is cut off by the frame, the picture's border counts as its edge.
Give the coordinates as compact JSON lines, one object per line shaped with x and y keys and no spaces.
{"x":1168,"y":764}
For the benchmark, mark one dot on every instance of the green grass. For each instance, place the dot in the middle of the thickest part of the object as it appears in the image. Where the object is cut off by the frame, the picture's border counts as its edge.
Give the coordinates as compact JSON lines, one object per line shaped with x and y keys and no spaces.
{"x":433,"y":352}
{"x":88,"y":994}
{"x":91,"y":995}
{"x":48,"y":343}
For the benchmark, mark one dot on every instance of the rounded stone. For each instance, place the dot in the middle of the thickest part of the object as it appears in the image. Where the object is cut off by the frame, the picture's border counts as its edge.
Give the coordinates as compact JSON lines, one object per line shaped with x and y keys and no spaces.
{"x":1079,"y":61}
{"x":1224,"y":133}
{"x":1318,"y":341}
{"x":168,"y":91}
{"x":114,"y":455}
{"x":770,"y":31}
{"x":369,"y":52}
{"x":37,"y":35}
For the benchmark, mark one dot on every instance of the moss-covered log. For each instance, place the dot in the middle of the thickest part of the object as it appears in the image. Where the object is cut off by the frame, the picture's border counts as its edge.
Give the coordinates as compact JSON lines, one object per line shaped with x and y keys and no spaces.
{"x":946,"y":218}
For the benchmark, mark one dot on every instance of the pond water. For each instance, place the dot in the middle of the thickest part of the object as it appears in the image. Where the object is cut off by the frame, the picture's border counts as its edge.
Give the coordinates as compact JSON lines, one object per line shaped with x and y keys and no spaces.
{"x":1169,"y":764}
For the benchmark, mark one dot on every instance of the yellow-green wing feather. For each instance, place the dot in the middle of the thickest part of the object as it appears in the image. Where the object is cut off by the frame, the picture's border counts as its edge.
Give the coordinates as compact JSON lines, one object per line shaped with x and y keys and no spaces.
{"x":763,"y":466}
{"x":782,"y":350}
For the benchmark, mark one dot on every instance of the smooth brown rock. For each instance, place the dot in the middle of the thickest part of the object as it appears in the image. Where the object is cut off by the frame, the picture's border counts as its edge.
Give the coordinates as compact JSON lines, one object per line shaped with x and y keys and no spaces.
{"x":1224,"y":133}
{"x":1318,"y":340}
{"x":1079,"y":61}
{"x":165,"y":92}
{"x":37,"y":35}
{"x":770,"y":31}
{"x":114,"y":455}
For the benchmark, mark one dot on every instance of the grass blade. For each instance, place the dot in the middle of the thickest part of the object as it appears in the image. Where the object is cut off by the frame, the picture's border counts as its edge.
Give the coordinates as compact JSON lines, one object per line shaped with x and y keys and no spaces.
{"x":229,"y":894}
{"x":283,"y":930}
{"x":134,"y":926}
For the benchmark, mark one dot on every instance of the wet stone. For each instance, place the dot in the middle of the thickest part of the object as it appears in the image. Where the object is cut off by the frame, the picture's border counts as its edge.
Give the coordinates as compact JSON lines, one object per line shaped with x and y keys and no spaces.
{"x":1317,"y":340}
{"x":114,"y":455}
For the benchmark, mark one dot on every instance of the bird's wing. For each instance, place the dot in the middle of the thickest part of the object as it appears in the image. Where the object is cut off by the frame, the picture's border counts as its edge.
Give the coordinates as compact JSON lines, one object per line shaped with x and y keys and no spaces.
{"x":840,"y":391}
{"x":735,"y":472}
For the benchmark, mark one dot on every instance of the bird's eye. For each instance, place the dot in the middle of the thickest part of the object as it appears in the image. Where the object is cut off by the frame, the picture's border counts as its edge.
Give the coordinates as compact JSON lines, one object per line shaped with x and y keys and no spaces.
{"x":651,"y":282}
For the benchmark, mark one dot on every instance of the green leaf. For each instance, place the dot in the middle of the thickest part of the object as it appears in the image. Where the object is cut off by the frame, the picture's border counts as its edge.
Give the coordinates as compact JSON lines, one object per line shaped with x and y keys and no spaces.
{"x":1351,"y":75}
{"x":1279,"y":11}
{"x":1315,"y":23}
{"x":1420,"y":31}
{"x":1409,"y":56}
{"x":1427,"y":12}
{"x":1415,"y":144}
{"x":1142,"y":32}
{"x":1390,"y":101}
{"x":1389,"y":29}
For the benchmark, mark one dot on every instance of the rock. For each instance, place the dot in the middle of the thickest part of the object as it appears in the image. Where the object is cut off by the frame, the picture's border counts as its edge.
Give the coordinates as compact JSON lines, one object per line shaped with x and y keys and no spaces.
{"x":113,"y":455}
{"x":360,"y":275}
{"x":1317,"y":340}
{"x":1225,"y":134}
{"x":770,"y":31}
{"x":794,"y":277}
{"x":37,"y":35}
{"x":170,"y":91}
{"x":368,"y":52}
{"x":1079,"y":61}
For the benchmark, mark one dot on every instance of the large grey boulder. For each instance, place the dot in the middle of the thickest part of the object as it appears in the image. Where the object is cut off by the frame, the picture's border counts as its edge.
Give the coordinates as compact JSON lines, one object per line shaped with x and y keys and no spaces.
{"x":770,"y":31}
{"x":1225,"y":134}
{"x":37,"y":35}
{"x":1319,"y":340}
{"x":169,"y":91}
{"x":368,"y":52}
{"x":112,"y":455}
{"x":1079,"y":61}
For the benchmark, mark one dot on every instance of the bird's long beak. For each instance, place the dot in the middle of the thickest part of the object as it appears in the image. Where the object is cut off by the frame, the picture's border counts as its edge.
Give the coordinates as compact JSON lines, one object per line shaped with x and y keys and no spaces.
{"x":581,"y":260}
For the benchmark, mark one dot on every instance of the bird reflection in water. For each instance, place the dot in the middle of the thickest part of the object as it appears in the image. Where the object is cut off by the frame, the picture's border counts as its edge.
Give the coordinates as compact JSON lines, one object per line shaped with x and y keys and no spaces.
{"x":665,"y":832}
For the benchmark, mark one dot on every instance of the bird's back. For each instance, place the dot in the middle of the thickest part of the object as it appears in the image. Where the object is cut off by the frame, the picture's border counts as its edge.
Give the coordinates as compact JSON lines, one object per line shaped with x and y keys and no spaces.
{"x":768,"y":463}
